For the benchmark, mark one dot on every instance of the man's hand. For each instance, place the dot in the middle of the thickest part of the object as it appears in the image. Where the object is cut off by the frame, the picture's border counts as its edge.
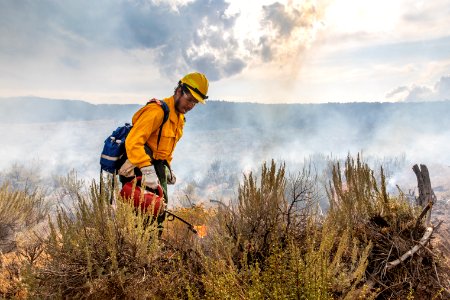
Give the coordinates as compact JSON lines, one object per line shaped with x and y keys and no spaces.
{"x":127,"y":169}
{"x":149,"y":177}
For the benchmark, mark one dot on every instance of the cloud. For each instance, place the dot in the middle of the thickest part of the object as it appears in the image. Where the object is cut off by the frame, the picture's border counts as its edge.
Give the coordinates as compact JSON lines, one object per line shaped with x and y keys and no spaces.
{"x":417,"y":93}
{"x":401,"y":90}
{"x":197,"y":35}
{"x":181,"y":37}
{"x":426,"y":17}
{"x":287,"y":30}
{"x":442,"y":87}
{"x":201,"y":35}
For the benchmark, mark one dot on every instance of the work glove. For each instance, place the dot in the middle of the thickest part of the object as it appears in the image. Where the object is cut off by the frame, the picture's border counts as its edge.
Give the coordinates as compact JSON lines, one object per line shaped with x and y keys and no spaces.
{"x":149,"y":177}
{"x":171,"y":178}
{"x":127,"y":169}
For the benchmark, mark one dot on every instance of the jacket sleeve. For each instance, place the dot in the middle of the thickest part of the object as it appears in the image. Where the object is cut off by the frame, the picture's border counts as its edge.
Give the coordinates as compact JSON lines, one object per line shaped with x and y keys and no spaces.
{"x":145,"y":122}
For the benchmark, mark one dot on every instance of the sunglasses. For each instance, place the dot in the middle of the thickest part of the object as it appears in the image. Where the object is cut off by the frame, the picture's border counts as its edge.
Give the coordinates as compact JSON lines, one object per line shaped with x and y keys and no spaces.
{"x":186,"y":88}
{"x":189,"y":96}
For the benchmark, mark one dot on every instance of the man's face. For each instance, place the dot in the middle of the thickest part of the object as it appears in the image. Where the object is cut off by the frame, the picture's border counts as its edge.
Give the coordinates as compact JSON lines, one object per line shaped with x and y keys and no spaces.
{"x":184,"y":101}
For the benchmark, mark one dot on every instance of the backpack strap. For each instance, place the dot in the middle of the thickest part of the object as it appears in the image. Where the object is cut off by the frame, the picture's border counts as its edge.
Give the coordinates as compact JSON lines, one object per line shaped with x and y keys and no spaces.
{"x":166,"y":110}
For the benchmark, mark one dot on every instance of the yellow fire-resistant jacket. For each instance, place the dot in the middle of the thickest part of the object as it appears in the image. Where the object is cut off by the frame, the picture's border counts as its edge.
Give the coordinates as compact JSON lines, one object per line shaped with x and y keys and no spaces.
{"x":146,"y":124}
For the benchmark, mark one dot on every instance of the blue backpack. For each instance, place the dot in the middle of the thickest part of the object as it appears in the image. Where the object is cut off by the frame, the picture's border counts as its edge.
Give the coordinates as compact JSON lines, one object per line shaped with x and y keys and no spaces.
{"x":114,"y":149}
{"x":114,"y":154}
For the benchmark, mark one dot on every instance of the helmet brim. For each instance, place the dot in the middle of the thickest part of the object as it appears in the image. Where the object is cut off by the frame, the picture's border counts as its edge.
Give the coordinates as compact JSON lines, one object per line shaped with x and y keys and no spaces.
{"x":196,"y":96}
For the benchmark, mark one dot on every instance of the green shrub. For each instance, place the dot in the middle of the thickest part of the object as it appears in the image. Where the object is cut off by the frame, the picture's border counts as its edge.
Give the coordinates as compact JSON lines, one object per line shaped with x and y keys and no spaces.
{"x":270,"y":211}
{"x":98,"y":251}
{"x":317,"y":269}
{"x":271,"y":243}
{"x":95,"y":251}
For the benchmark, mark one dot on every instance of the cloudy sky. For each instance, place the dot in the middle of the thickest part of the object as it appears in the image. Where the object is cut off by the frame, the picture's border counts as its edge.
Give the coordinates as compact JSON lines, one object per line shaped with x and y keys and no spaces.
{"x":125,"y":51}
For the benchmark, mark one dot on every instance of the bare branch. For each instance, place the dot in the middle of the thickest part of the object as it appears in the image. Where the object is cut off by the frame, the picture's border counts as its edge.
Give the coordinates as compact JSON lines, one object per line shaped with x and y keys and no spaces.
{"x":422,"y":242}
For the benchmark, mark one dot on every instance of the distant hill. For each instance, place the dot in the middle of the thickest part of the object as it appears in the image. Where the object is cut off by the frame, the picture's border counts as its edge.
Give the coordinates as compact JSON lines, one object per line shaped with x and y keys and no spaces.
{"x":41,"y":110}
{"x":225,"y":138}
{"x":269,"y":118}
{"x":364,"y":116}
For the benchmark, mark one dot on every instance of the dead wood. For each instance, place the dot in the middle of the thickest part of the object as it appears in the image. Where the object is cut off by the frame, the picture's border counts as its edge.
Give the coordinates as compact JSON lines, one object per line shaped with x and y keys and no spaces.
{"x":426,"y":194}
{"x":400,"y":255}
{"x":422,"y":214}
{"x":426,"y":237}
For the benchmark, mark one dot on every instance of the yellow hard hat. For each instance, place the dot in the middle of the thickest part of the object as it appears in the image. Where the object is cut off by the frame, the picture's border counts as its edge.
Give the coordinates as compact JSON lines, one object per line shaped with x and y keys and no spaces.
{"x":197,"y":84}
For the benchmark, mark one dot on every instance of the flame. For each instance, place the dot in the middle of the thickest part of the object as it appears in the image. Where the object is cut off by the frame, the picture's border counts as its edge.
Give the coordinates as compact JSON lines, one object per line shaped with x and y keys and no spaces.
{"x":201,"y":230}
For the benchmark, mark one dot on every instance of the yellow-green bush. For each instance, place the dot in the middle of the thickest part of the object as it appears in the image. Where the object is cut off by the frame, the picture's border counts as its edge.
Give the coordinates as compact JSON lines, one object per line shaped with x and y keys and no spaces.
{"x":99,"y":251}
{"x":314,"y":271}
{"x":94,"y":251}
{"x":271,"y":243}
{"x":261,"y":257}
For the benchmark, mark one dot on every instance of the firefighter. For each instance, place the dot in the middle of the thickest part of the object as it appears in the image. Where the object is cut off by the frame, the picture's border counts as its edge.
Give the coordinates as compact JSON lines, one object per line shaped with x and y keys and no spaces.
{"x":149,"y":152}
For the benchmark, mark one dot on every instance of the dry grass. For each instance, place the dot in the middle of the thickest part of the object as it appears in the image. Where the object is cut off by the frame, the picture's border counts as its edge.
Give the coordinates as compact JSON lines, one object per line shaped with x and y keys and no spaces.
{"x":360,"y":203}
{"x":271,"y":243}
{"x":21,"y":212}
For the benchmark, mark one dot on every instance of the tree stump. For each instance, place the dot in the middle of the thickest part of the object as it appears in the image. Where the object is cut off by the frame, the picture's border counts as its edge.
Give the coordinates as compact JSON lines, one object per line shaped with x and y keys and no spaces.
{"x":426,"y":194}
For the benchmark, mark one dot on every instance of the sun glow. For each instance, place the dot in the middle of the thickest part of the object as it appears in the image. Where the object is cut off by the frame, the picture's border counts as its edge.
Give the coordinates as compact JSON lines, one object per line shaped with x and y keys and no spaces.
{"x":363,"y":16}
